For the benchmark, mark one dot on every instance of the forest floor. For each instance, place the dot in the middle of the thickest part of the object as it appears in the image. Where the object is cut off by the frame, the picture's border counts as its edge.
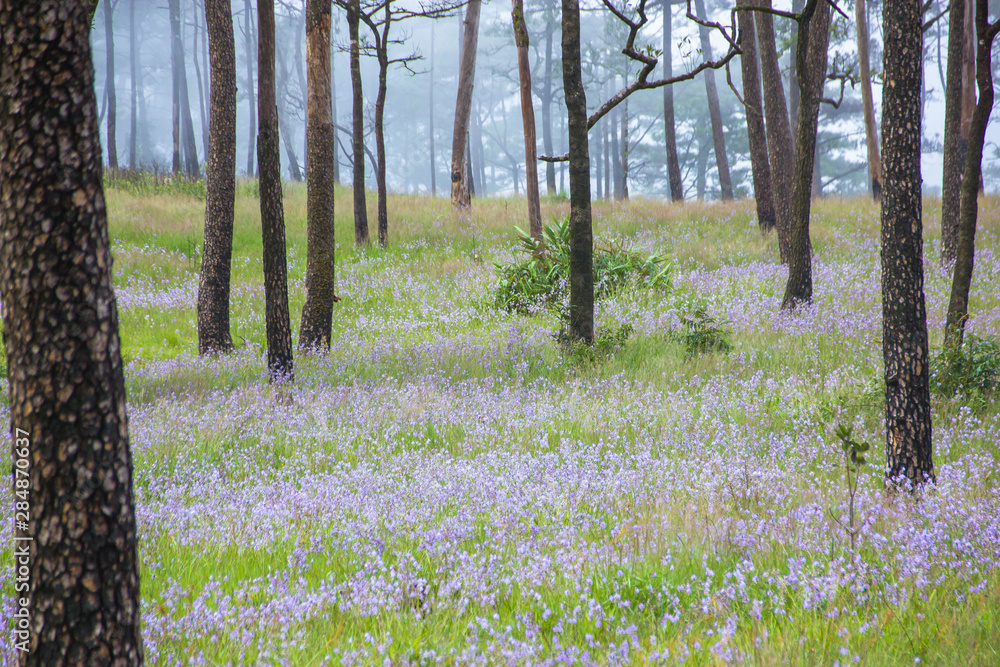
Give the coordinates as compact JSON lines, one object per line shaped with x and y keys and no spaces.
{"x":449,"y":486}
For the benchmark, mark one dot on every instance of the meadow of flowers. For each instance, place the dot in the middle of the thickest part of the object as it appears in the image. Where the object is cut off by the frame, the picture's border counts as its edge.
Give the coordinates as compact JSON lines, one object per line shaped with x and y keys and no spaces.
{"x":449,"y":486}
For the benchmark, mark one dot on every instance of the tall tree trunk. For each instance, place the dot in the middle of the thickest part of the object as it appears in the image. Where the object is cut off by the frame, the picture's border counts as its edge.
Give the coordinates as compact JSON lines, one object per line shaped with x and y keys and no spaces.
{"x":71,"y":463}
{"x":358,"y":138}
{"x":599,"y":162}
{"x":958,"y":305}
{"x":176,"y":55}
{"x":480,"y":152}
{"x":303,"y":86}
{"x":954,"y":143}
{"x":777,"y":129}
{"x":715,"y":114}
{"x":624,"y":153}
{"x":528,"y":120}
{"x":383,"y":73}
{"x":460,"y":196}
{"x":133,"y":56}
{"x":904,"y":322}
{"x":430,"y":121}
{"x":286,"y":135}
{"x":673,"y":164}
{"x":793,"y":76}
{"x":333,"y":100}
{"x":581,"y":235}
{"x":251,"y":54}
{"x":202,"y":113}
{"x":182,"y":105}
{"x":871,"y":134}
{"x":317,"y":313}
{"x":616,"y":156}
{"x":607,"y":154}
{"x":813,"y":39}
{"x":755,"y":121}
{"x":550,"y":168}
{"x":272,"y":217}
{"x":220,"y":183}
{"x":109,"y":31}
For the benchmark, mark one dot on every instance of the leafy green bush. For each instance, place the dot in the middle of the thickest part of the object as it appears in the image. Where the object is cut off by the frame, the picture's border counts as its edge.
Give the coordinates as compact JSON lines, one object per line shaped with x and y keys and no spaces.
{"x":541,"y":280}
{"x":701,"y":333}
{"x":973,"y":367}
{"x":607,"y":340}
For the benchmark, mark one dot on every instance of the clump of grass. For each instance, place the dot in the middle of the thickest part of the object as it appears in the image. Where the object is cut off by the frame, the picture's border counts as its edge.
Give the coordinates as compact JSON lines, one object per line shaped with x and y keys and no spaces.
{"x":142,"y":183}
{"x":541,"y":280}
{"x":969,"y":369}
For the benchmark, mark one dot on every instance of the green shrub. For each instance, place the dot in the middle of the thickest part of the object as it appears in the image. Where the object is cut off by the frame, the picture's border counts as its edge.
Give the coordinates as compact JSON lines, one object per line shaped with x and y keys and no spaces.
{"x":607,"y":340}
{"x":701,"y":333}
{"x":973,"y":367}
{"x":541,"y":280}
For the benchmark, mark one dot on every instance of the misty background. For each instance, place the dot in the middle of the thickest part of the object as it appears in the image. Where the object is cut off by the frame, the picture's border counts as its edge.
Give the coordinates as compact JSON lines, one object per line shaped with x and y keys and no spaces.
{"x":421,"y":100}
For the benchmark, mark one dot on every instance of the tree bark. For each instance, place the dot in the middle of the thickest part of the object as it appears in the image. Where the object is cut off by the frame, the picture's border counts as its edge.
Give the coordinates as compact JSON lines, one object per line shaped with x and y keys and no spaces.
{"x":528,"y":120}
{"x":867,"y":102}
{"x":777,"y":129}
{"x":550,"y":169}
{"x":133,"y":55}
{"x":904,"y":323}
{"x":74,"y":539}
{"x":715,"y":114}
{"x":673,"y":164}
{"x":430,"y":121}
{"x":175,"y":55}
{"x":317,"y":313}
{"x":220,"y":183}
{"x":202,"y":112}
{"x":813,"y":39}
{"x":460,"y":196}
{"x":624,"y":153}
{"x":793,"y":77}
{"x":251,"y":53}
{"x":109,"y":31}
{"x":272,"y":217}
{"x":183,"y":104}
{"x":581,"y":235}
{"x":958,"y":304}
{"x":954,"y":143}
{"x":333,"y":100}
{"x":358,"y":136}
{"x":754,"y":105}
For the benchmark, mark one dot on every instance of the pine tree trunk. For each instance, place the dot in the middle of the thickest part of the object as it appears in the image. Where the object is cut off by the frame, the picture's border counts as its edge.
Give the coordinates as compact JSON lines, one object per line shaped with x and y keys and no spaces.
{"x":202,"y":112}
{"x":867,"y":102}
{"x":813,"y":39}
{"x":74,"y":539}
{"x":281,"y":85}
{"x":958,"y":305}
{"x":272,"y":217}
{"x":430,"y":122}
{"x":251,"y":54}
{"x":358,"y":138}
{"x":616,"y":161}
{"x":220,"y":183}
{"x":904,"y":323}
{"x":460,"y":195}
{"x":954,"y":158}
{"x":777,"y":129}
{"x":528,"y":120}
{"x":755,"y":121}
{"x":109,"y":31}
{"x":550,"y":168}
{"x":333,"y":100}
{"x":187,"y":139}
{"x":383,"y":194}
{"x":715,"y":114}
{"x":133,"y":54}
{"x":624,"y":154}
{"x":176,"y":55}
{"x":317,"y":313}
{"x":673,"y":164}
{"x":793,"y":76}
{"x":581,"y":235}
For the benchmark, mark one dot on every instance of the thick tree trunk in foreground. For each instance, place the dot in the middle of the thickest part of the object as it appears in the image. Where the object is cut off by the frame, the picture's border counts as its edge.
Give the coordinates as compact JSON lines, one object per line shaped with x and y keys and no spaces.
{"x":715,"y":114}
{"x":904,"y":322}
{"x":460,"y":197}
{"x":358,"y":126}
{"x":581,"y":235}
{"x":67,"y":390}
{"x":272,"y":217}
{"x":813,"y":38}
{"x":109,"y":31}
{"x":528,"y":120}
{"x":754,"y":105}
{"x":958,"y":305}
{"x":670,"y":136}
{"x":317,"y":313}
{"x":777,"y":129}
{"x":220,"y":183}
{"x":954,"y":142}
{"x":871,"y":134}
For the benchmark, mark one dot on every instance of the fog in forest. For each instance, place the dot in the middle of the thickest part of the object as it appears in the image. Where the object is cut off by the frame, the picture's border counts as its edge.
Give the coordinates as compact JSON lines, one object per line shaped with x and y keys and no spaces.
{"x":421,"y":98}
